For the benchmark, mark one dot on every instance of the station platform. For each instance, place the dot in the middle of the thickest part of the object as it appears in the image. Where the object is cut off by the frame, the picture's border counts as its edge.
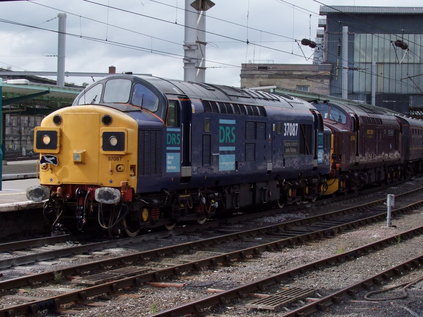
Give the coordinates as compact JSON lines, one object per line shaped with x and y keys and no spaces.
{"x":19,"y":169}
{"x":17,"y":177}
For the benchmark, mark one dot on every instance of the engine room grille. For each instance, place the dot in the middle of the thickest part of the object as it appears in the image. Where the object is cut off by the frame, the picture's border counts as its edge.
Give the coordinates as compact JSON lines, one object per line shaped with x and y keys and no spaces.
{"x":150,"y":152}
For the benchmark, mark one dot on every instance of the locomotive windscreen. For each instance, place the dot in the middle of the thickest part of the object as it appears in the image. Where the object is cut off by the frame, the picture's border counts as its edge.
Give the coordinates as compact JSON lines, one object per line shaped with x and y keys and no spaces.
{"x":120,"y":93}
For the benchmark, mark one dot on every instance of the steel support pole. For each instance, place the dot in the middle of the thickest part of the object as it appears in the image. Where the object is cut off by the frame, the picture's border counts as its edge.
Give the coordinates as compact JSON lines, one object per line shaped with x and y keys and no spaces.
{"x":190,"y":45}
{"x":1,"y":134}
{"x":374,"y":83}
{"x":345,"y":62}
{"x":201,"y":48}
{"x":61,"y":49}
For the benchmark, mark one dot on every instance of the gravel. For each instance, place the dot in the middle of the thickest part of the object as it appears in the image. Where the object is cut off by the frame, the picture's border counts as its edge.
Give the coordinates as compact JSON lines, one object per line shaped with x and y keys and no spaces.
{"x":148,"y":300}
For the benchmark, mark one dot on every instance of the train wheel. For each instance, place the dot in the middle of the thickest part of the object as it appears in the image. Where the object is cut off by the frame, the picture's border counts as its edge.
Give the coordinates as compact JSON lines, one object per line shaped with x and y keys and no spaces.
{"x":280,"y":203}
{"x":131,"y":226}
{"x":170,"y":226}
{"x":115,"y":231}
{"x":201,"y":212}
{"x":52,"y":212}
{"x":313,"y":199}
{"x":201,"y":220}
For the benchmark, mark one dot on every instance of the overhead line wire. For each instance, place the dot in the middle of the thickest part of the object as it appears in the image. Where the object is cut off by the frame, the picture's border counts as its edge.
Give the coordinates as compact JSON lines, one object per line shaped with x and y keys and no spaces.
{"x":159,"y":52}
{"x":101,"y":22}
{"x":350,"y":15}
{"x":208,"y":32}
{"x":298,"y":7}
{"x":114,"y":43}
{"x":335,"y":55}
{"x":226,"y":21}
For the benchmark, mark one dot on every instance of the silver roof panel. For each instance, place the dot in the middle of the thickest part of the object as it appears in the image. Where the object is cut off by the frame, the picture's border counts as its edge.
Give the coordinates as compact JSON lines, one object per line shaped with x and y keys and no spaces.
{"x":370,"y":10}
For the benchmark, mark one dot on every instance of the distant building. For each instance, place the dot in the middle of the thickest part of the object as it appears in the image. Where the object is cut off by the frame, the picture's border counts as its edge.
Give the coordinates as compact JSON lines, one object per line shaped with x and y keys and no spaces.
{"x":304,"y":77}
{"x":385,"y":58}
{"x":390,"y":38}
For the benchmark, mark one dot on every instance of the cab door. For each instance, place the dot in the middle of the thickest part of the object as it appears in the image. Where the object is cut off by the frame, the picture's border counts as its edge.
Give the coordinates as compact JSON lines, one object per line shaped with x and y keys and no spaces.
{"x":186,"y":132}
{"x":178,"y":137}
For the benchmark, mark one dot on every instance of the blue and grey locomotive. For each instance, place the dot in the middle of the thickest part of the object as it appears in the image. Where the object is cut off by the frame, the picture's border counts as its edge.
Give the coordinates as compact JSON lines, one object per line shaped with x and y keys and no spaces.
{"x":138,"y":152}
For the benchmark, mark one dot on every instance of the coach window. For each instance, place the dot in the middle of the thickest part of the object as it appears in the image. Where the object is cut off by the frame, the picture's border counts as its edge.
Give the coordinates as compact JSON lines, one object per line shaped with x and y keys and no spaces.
{"x":207,"y":125}
{"x":172,"y":118}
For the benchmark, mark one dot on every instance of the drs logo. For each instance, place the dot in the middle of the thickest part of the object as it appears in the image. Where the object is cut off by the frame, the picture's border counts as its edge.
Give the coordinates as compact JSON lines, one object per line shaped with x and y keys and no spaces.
{"x":173,"y":139}
{"x":226,"y":134}
{"x":290,"y":129}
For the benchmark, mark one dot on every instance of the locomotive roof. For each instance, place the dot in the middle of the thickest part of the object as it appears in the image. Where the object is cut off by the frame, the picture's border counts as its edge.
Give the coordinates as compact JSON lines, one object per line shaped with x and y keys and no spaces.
{"x":363,"y":109}
{"x":223,"y":93}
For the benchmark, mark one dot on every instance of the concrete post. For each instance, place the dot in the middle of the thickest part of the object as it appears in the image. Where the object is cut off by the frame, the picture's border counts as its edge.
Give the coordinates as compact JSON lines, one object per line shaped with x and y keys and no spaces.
{"x":390,"y":202}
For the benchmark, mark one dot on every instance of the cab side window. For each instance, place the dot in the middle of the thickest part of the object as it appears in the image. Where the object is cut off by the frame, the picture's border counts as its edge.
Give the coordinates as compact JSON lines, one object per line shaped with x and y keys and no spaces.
{"x":91,"y":96}
{"x":172,"y":118}
{"x":144,"y":97}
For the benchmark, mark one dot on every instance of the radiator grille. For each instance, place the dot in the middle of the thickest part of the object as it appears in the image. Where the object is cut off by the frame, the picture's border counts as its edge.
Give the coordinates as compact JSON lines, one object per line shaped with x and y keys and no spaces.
{"x":150,"y":152}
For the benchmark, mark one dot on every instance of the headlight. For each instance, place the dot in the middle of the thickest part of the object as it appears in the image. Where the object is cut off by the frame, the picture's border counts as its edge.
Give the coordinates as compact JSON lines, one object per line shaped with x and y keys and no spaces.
{"x":113,"y":141}
{"x":46,"y":140}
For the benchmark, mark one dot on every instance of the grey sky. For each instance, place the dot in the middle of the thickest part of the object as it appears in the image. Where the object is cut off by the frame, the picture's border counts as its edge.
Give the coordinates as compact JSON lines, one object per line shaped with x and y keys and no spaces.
{"x":100,"y":36}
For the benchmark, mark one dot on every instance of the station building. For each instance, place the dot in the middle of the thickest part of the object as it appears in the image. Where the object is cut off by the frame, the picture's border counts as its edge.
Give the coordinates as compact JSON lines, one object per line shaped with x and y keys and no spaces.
{"x":385,"y":56}
{"x":25,"y":100}
{"x":303,"y":77}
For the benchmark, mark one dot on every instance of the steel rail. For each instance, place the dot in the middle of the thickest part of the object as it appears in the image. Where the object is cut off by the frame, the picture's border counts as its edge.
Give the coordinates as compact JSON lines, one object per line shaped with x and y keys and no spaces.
{"x":137,"y":280}
{"x":350,"y":290}
{"x":32,"y":243}
{"x":241,"y":291}
{"x":142,"y":256}
{"x":52,"y":254}
{"x":69,"y":251}
{"x":188,"y":246}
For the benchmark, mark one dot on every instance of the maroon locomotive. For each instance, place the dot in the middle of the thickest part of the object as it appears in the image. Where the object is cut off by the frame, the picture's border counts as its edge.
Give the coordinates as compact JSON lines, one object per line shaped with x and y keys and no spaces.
{"x":370,"y":145}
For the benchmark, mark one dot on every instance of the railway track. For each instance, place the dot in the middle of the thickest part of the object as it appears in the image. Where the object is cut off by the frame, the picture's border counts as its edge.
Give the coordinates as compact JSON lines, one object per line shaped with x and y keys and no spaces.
{"x":133,"y":270}
{"x":32,"y":243}
{"x":287,"y":229}
{"x":43,"y":255}
{"x":289,"y":295}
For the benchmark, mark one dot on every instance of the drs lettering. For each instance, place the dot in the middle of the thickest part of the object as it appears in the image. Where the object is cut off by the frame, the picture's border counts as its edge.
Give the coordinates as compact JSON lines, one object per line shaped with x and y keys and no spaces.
{"x":291,"y":129}
{"x":226,"y":134}
{"x":173,"y":139}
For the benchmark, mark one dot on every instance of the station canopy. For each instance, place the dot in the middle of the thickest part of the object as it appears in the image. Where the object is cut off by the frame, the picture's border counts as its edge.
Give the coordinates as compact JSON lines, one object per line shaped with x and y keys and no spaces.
{"x":24,"y":97}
